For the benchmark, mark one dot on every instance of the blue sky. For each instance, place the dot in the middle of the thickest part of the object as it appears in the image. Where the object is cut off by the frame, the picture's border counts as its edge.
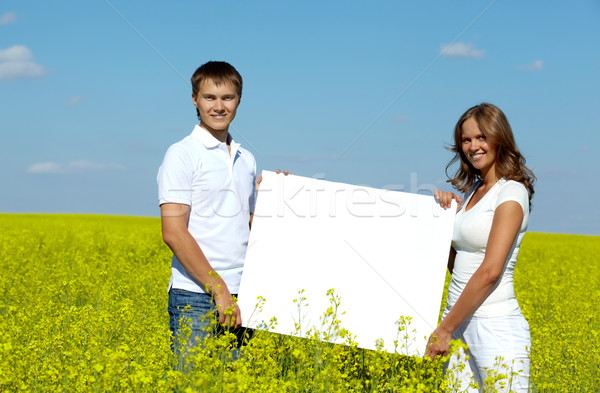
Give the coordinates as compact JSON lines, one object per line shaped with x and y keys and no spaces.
{"x":92,"y":94}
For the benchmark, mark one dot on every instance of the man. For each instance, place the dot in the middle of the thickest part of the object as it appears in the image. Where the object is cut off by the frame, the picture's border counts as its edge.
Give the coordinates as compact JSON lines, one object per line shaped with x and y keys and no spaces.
{"x":207,"y":194}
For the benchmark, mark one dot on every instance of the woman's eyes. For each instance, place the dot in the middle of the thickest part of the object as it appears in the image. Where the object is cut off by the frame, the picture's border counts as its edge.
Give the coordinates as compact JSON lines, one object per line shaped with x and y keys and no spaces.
{"x":480,"y":138}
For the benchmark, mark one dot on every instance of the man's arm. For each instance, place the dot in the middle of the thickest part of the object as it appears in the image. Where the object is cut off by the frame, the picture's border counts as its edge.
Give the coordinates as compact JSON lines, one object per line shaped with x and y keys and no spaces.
{"x":257,"y":182}
{"x":174,"y":220}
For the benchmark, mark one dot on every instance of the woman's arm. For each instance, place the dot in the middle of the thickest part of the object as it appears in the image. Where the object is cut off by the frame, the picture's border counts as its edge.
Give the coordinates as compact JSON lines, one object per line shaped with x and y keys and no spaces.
{"x":505,"y":227}
{"x":451,"y":259}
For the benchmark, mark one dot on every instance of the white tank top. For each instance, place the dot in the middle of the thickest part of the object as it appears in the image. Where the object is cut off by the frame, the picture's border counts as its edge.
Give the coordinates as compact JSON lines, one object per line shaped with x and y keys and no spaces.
{"x":471,"y":232}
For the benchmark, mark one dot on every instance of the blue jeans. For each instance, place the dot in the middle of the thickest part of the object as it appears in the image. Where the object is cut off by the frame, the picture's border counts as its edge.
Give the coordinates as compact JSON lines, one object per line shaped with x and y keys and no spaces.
{"x":198,"y":311}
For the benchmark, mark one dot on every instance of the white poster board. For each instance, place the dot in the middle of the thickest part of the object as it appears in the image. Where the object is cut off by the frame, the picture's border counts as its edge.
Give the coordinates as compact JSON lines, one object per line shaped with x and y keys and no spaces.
{"x":383,"y":252}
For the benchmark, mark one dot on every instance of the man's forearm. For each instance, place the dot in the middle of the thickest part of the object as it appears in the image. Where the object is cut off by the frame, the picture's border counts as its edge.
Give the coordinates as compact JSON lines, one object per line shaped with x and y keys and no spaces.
{"x":194,"y":261}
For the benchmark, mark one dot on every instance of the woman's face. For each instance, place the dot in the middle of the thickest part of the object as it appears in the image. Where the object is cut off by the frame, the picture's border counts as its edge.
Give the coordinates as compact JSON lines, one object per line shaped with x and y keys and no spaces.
{"x":479,"y":152}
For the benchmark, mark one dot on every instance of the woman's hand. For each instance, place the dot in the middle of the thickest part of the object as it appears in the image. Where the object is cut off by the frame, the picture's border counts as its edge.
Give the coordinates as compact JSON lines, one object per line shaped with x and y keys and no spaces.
{"x":438,"y":343}
{"x":445,"y":199}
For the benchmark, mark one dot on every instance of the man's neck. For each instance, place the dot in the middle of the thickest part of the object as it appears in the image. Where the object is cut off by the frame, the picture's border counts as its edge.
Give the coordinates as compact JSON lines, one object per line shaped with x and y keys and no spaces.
{"x":220,"y":135}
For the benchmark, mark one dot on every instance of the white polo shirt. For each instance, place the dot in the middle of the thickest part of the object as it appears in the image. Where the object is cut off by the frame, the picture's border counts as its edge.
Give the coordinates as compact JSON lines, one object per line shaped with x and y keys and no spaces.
{"x":200,"y":172}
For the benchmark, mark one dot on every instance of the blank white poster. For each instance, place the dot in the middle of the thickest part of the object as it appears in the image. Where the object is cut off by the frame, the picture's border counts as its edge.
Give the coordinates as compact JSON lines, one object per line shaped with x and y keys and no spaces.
{"x":383,"y":252}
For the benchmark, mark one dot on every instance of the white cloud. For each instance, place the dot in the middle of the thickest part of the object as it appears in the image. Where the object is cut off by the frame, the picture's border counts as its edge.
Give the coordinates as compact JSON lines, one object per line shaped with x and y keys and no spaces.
{"x":75,"y":100}
{"x":535,"y":66}
{"x":9,"y":17}
{"x":460,"y":49}
{"x":556,"y":171}
{"x":15,"y":53}
{"x":308,"y":157}
{"x":400,"y":118}
{"x":74,"y":167}
{"x":17,"y":62}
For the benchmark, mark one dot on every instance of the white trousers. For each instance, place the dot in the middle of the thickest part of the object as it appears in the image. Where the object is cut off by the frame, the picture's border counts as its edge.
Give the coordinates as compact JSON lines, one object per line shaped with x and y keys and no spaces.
{"x":496,"y":346}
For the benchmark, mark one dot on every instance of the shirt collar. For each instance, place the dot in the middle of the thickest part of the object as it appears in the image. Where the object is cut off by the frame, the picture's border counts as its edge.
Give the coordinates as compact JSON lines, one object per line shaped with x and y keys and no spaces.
{"x":210,"y":141}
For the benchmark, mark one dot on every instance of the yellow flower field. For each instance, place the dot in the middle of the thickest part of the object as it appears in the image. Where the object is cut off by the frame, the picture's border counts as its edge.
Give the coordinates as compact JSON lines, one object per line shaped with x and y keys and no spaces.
{"x":84,"y":310}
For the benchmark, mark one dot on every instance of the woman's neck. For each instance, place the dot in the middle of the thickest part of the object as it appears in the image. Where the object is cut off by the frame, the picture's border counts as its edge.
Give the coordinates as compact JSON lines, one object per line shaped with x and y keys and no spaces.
{"x":489,"y":177}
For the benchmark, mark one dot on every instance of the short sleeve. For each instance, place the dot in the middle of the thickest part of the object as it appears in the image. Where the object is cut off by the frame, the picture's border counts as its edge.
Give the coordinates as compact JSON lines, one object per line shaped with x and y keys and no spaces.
{"x":513,"y":191}
{"x":175,"y":176}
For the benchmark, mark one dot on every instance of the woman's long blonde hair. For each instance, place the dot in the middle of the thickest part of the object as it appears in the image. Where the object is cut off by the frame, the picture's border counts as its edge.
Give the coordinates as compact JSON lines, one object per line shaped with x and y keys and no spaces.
{"x":510,"y":163}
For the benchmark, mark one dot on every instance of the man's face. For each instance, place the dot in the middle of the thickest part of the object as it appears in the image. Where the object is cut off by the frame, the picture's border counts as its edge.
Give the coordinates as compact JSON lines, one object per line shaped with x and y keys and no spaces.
{"x":217,"y":105}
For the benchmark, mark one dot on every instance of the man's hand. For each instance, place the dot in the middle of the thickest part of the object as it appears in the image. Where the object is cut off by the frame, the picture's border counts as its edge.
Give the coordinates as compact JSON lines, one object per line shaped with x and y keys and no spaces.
{"x":258,"y":179}
{"x":257,"y":182}
{"x":229,"y":312}
{"x":285,"y":172}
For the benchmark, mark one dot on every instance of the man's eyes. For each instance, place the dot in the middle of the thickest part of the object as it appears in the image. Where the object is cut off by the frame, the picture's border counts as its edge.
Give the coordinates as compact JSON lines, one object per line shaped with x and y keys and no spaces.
{"x":226,"y":98}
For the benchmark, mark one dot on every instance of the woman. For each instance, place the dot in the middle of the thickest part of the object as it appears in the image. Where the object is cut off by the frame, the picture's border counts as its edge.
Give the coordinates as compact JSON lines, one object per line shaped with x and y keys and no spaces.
{"x":482,"y":309}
